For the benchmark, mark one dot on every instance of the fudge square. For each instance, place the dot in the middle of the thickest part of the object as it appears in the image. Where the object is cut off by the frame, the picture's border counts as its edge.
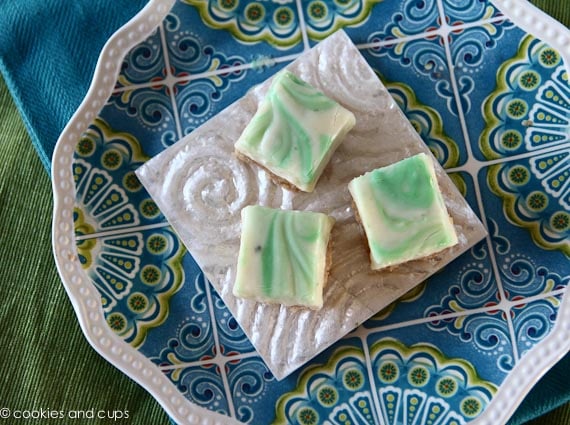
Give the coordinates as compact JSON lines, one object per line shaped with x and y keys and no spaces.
{"x":294,"y":132}
{"x":283,"y":256}
{"x":402,"y":212}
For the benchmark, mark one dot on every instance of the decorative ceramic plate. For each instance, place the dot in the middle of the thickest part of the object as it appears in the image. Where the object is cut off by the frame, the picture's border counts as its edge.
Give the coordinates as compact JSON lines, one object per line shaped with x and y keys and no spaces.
{"x":486,"y":86}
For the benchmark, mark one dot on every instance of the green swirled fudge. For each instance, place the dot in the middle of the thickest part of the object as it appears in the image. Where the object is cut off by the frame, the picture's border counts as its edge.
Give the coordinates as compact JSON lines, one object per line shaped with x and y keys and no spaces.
{"x":283,"y":256}
{"x":294,"y":132}
{"x":402,"y":212}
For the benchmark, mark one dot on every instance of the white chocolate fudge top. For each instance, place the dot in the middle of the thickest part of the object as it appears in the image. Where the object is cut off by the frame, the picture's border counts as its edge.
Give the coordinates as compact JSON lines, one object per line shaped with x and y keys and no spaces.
{"x":283,"y":256}
{"x":402,"y":212}
{"x":295,"y":131}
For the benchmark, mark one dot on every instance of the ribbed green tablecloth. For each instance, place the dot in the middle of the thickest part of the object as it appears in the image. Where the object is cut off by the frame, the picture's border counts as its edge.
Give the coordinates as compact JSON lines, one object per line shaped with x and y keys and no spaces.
{"x":45,"y":362}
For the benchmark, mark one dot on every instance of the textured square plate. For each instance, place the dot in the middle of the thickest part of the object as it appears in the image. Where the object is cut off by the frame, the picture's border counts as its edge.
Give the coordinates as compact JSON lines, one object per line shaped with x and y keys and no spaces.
{"x":200,"y":186}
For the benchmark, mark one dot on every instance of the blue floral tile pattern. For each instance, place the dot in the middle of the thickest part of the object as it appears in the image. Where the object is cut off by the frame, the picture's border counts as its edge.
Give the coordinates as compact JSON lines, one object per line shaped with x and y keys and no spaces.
{"x":232,"y":339}
{"x":145,"y":113}
{"x":145,"y":63}
{"x":458,"y":336}
{"x":339,"y":391}
{"x":488,"y":333}
{"x":190,"y":338}
{"x":272,"y":28}
{"x":533,"y":321}
{"x":396,"y":20}
{"x":490,"y":101}
{"x":422,"y":64}
{"x":520,"y":274}
{"x":136,"y":273}
{"x":474,"y":287}
{"x":323,"y":17}
{"x":202,"y":385}
{"x":427,"y":122}
{"x":411,"y":385}
{"x":249,"y":383}
{"x":476,"y":53}
{"x":462,"y":12}
{"x":200,"y":99}
{"x":271,"y":21}
{"x":530,"y":108}
{"x":189,"y":54}
{"x":527,"y":206}
{"x":424,"y":56}
{"x":108,"y":194}
{"x":418,"y":384}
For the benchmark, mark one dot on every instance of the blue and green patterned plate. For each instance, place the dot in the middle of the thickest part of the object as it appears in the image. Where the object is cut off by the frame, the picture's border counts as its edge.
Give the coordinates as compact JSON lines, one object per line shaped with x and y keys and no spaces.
{"x":485,"y":83}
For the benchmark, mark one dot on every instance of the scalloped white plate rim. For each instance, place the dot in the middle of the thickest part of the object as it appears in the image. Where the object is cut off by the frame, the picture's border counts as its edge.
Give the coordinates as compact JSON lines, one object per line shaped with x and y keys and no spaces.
{"x":84,"y":296}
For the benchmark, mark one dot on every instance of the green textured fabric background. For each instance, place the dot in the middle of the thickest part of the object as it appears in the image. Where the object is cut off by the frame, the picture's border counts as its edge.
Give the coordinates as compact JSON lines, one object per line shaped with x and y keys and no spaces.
{"x":45,"y":361}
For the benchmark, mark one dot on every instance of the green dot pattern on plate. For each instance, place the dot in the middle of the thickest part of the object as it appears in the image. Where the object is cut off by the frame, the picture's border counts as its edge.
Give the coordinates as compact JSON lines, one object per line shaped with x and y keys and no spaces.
{"x":561,"y":221}
{"x":150,"y":274}
{"x":388,"y":372}
{"x":138,"y":302}
{"x":537,"y":201}
{"x":353,"y":379}
{"x":549,"y":57}
{"x":519,"y":175}
{"x":529,"y":80}
{"x":111,"y":159}
{"x":255,"y":12}
{"x":308,"y":416}
{"x":117,"y":322}
{"x":317,"y":10}
{"x":157,"y":244}
{"x":471,"y":407}
{"x":131,"y":182}
{"x":517,"y":108}
{"x":149,"y":209}
{"x":328,"y":396}
{"x":85,"y":147}
{"x":283,"y":16}
{"x":418,"y":376}
{"x":447,"y":387}
{"x":511,"y":139}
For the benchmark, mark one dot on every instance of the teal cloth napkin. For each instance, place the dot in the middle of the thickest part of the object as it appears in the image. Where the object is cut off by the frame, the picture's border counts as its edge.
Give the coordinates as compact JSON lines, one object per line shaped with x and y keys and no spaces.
{"x":48,"y":53}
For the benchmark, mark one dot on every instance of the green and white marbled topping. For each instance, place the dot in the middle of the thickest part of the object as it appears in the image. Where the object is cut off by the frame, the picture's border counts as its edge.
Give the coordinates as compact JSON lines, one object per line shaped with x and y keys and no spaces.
{"x":402,"y":211}
{"x":295,"y":131}
{"x":282,"y":257}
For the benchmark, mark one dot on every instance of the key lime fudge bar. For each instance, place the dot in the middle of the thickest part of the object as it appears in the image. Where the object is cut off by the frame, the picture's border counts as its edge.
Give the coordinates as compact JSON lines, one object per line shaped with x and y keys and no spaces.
{"x":402,"y":212}
{"x":283,"y":256}
{"x":294,"y":132}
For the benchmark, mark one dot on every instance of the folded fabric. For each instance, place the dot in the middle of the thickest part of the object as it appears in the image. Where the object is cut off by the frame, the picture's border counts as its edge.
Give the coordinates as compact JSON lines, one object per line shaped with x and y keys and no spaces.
{"x":48,"y":53}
